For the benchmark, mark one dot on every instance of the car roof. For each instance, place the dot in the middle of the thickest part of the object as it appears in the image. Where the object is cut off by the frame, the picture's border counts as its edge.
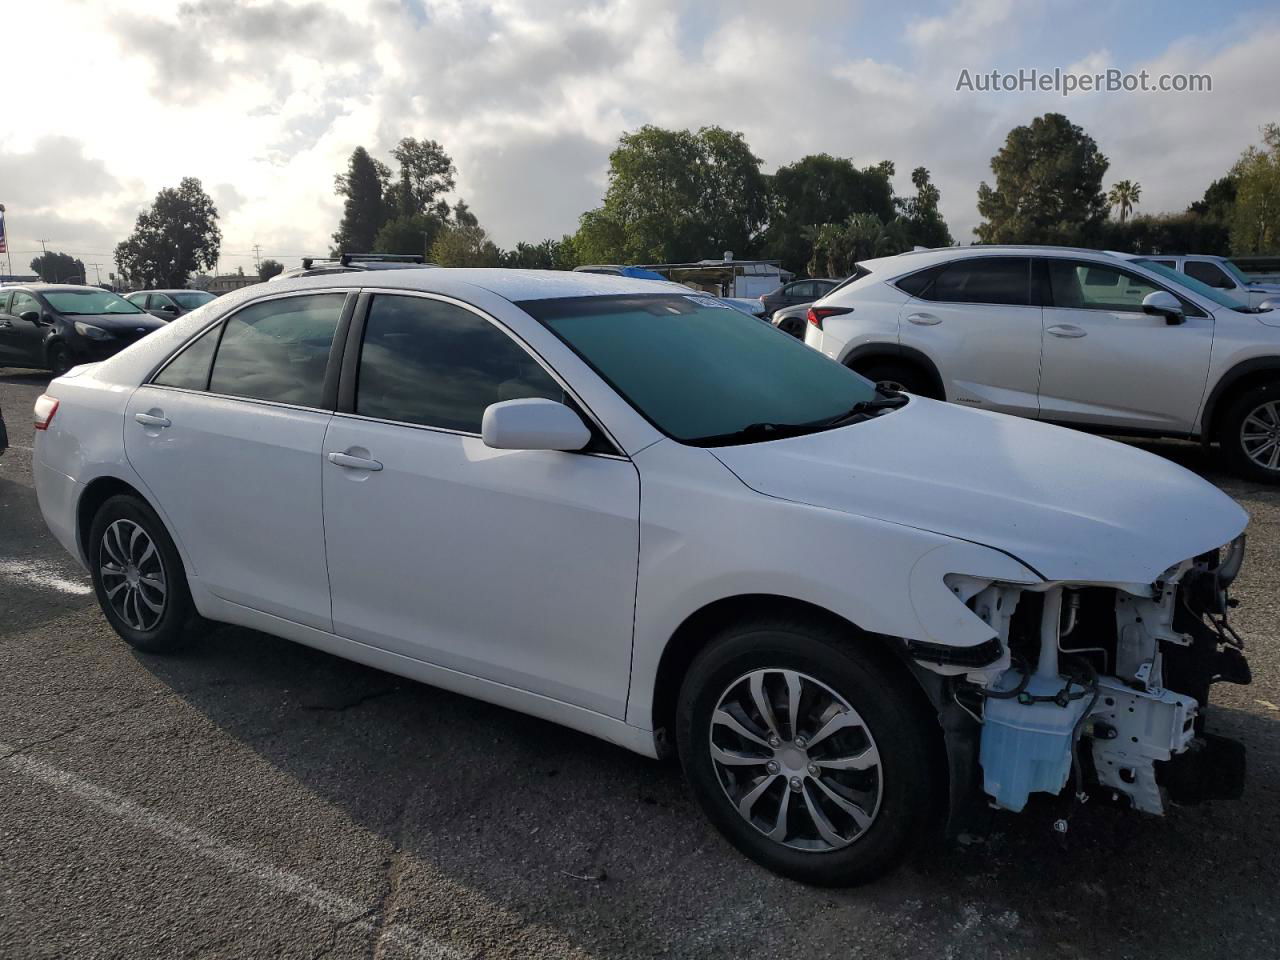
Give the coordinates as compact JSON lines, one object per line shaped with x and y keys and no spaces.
{"x":57,"y":287}
{"x":919,"y":259}
{"x":513,"y":285}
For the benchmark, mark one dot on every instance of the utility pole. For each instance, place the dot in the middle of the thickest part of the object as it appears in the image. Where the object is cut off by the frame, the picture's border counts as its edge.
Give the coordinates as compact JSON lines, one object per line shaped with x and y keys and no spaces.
{"x":257,"y":257}
{"x":44,"y":254}
{"x":97,"y":274}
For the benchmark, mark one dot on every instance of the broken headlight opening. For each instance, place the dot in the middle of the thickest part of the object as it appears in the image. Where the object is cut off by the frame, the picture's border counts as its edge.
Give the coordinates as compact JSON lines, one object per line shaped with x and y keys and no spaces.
{"x":1105,"y":686}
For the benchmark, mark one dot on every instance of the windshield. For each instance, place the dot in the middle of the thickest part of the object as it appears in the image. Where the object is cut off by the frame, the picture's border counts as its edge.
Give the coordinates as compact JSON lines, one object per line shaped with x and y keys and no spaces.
{"x":1191,"y":283}
{"x":190,"y":299}
{"x":89,"y":303}
{"x":701,"y":371}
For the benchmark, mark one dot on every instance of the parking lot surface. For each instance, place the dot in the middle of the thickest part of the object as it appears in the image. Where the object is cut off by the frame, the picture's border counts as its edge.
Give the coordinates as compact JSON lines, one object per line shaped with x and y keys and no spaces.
{"x":255,"y":798}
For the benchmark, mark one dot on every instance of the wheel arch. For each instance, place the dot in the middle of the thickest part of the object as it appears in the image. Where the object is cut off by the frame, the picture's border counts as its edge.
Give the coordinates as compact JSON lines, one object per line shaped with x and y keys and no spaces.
{"x":892,"y":351}
{"x":1243,"y":376}
{"x":95,"y":494}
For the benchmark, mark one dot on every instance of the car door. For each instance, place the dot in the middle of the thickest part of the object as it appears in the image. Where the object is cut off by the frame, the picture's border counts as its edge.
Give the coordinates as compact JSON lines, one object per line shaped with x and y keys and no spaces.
{"x":516,"y":566}
{"x":227,"y":437}
{"x":978,"y":320}
{"x":1106,"y":362}
{"x":6,"y":326}
{"x":22,"y":339}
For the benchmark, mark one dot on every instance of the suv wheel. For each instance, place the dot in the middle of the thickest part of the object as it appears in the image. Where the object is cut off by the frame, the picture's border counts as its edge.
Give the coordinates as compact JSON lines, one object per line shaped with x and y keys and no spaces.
{"x":1250,"y":434}
{"x":806,"y":753}
{"x":896,"y":375}
{"x":138,"y":576}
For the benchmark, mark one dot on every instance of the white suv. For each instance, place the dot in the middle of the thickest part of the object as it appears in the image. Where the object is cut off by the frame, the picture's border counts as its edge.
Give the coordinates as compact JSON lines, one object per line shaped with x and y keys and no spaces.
{"x":1075,"y":337}
{"x":1217,"y":272}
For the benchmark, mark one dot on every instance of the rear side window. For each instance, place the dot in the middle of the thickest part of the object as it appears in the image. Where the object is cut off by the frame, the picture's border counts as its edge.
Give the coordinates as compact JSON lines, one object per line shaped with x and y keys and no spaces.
{"x":190,"y":369}
{"x":918,"y":284}
{"x":278,"y":350}
{"x":998,"y":280}
{"x":436,"y":364}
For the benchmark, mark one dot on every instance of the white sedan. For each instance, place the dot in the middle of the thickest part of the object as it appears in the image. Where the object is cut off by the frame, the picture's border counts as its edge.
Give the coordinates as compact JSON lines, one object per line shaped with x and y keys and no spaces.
{"x":640,"y":513}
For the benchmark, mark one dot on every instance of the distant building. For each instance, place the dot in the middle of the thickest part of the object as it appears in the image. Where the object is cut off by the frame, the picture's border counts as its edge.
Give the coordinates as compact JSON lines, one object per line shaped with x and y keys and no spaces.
{"x":226,"y":282}
{"x":727,"y":277}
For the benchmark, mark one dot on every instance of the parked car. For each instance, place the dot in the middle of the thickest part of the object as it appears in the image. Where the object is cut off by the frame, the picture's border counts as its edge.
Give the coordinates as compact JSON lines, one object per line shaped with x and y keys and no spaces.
{"x":1075,"y":337}
{"x":170,"y":304}
{"x":795,"y":293}
{"x":792,"y":320}
{"x":1217,"y":272}
{"x":748,"y":305}
{"x":55,"y":326}
{"x":353,"y":263}
{"x":634,"y":511}
{"x":4,"y":435}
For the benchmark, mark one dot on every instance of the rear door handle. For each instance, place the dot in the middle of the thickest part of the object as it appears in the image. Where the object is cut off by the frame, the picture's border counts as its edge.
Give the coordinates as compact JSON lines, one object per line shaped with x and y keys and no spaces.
{"x":923,"y":319}
{"x":151,"y":420}
{"x":354,"y":463}
{"x":1068,"y":331}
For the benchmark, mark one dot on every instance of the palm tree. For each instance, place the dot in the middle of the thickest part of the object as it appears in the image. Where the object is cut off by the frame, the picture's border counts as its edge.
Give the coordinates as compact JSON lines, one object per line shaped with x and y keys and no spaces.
{"x":1125,"y":195}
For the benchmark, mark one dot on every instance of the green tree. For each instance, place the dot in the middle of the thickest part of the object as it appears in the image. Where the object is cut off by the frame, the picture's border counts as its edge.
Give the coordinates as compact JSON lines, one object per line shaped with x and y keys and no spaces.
{"x":921,"y":219}
{"x":1167,"y":233}
{"x":412,"y":234}
{"x":463,"y":216}
{"x":1048,"y":186}
{"x":365,"y":187}
{"x":53,"y":267}
{"x":1124,"y":196}
{"x":177,"y":236}
{"x":1219,"y":199}
{"x":820,"y":189}
{"x":1255,"y":219}
{"x":837,"y":247}
{"x":426,"y":172}
{"x":464,"y":247}
{"x":269,"y":268}
{"x":676,"y":195}
{"x":547,"y":255}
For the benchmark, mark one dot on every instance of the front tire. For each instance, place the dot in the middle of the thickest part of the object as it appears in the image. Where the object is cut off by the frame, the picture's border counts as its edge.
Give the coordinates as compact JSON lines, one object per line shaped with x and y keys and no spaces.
{"x":809,"y":754}
{"x":1250,"y":434}
{"x":59,"y":358}
{"x":138,"y":576}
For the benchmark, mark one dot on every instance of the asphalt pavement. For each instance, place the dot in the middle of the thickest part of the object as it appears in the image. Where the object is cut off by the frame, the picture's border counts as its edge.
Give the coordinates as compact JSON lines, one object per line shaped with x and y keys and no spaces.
{"x":255,"y":798}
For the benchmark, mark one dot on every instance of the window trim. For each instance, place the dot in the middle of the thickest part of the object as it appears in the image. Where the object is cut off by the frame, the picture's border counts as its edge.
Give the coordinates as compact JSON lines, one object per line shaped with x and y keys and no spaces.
{"x":350,"y":368}
{"x":329,"y":390}
{"x":1189,"y":307}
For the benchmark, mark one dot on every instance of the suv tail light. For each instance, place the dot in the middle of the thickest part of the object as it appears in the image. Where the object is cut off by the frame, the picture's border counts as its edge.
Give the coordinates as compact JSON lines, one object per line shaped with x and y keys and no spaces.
{"x":818,"y":314}
{"x":46,"y":407}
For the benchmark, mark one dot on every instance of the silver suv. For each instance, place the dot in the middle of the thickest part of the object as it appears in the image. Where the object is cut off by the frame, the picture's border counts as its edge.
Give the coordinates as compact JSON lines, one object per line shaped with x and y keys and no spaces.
{"x":1076,"y":337}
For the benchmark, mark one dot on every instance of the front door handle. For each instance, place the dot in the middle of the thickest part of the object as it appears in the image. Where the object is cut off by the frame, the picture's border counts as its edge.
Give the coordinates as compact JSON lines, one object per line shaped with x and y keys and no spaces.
{"x":1068,"y":331}
{"x":923,"y":319}
{"x":151,"y":420}
{"x":354,"y":463}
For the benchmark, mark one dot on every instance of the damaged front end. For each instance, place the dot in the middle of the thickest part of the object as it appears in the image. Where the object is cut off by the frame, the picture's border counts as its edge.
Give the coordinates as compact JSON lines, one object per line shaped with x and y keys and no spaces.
{"x":1102,"y":685}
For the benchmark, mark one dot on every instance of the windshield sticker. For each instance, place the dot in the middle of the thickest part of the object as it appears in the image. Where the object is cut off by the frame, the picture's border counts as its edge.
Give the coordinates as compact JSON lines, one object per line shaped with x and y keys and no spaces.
{"x":708,"y":302}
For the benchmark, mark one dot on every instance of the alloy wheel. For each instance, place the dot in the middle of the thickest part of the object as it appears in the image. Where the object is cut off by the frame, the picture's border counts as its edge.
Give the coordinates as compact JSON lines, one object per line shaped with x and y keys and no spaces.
{"x":1260,"y":435}
{"x":796,"y":760}
{"x":132,"y":574}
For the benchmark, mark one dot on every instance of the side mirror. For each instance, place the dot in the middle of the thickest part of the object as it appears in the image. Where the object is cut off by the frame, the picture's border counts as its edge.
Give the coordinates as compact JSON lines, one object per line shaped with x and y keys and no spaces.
{"x":533,"y":423}
{"x":169,"y":308}
{"x":31,"y":316}
{"x":1266,"y":305}
{"x":1162,"y":303}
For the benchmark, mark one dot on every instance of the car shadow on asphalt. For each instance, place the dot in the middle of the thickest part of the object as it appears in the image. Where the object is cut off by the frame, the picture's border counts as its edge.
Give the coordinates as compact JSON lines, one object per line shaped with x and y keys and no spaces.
{"x":608,"y":848}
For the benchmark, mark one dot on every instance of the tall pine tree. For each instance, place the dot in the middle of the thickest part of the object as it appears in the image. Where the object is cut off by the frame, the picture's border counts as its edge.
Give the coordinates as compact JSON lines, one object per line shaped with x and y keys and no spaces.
{"x":365,"y":186}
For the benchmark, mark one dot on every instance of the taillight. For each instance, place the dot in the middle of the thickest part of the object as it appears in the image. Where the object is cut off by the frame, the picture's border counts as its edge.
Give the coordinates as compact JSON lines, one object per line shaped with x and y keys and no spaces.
{"x":817,"y":314}
{"x":46,"y":407}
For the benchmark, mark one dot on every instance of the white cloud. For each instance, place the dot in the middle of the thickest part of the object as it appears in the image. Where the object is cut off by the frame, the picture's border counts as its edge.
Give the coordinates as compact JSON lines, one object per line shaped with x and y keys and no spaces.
{"x":265,"y":99}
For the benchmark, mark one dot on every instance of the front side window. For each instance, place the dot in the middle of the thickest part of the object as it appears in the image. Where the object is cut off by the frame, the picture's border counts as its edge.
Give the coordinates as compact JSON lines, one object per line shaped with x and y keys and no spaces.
{"x":190,"y":369}
{"x":89,"y":302}
{"x":24,"y":303}
{"x":439,"y":365}
{"x":278,"y":350}
{"x":1209,"y":273}
{"x":701,"y":371}
{"x":1082,"y":285}
{"x":998,"y":280}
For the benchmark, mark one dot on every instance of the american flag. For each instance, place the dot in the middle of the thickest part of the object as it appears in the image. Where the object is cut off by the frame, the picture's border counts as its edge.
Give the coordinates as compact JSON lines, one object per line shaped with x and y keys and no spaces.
{"x":4,"y":247}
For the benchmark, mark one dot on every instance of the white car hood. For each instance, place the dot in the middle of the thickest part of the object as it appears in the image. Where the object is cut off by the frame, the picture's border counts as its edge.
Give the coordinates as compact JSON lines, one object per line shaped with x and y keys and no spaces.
{"x":1070,"y":505}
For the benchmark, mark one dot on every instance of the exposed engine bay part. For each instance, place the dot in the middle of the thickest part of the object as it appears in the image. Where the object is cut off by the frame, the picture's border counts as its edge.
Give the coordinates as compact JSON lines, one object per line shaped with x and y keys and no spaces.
{"x":1108,"y":682}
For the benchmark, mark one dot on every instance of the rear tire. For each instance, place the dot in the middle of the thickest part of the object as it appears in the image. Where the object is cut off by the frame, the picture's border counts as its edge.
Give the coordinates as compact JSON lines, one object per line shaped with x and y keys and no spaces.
{"x":897,"y":375}
{"x":138,"y":576}
{"x":784,"y":799}
{"x":1249,"y":436}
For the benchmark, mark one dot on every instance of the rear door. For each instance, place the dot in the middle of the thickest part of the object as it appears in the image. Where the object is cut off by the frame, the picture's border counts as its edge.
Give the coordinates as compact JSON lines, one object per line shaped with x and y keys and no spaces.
{"x":978,"y":320}
{"x":1106,"y":362}
{"x":228,"y":437}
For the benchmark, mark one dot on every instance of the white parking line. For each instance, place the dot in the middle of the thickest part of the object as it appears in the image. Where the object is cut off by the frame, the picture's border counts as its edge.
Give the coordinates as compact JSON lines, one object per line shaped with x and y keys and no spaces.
{"x":343,"y":909}
{"x":42,"y":575}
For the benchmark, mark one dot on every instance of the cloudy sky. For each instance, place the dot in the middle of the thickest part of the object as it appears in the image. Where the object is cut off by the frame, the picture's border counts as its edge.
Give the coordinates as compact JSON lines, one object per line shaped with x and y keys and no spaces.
{"x":107,"y":102}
